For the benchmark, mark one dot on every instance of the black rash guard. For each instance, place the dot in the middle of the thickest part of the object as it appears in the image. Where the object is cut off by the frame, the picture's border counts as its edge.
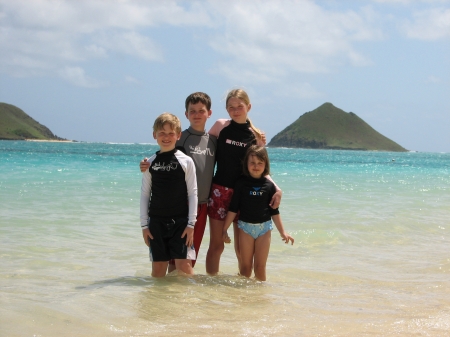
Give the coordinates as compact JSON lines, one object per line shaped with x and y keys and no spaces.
{"x":251,"y":198}
{"x":232,"y":144}
{"x":169,"y":187}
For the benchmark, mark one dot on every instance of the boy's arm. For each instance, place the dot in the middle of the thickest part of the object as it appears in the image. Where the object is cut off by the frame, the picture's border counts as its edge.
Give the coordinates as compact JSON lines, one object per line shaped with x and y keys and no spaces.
{"x":144,"y":165}
{"x":147,"y":236}
{"x":285,"y":236}
{"x":189,"y":233}
{"x":145,"y":198}
{"x":191,"y":184}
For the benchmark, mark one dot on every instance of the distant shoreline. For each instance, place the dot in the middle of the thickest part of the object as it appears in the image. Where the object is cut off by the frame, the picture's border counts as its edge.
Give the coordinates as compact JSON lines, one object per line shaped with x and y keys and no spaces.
{"x":50,"y":140}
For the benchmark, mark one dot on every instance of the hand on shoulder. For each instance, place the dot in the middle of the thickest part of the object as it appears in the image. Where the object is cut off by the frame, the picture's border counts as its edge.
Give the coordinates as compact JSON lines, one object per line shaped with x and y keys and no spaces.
{"x":144,"y":165}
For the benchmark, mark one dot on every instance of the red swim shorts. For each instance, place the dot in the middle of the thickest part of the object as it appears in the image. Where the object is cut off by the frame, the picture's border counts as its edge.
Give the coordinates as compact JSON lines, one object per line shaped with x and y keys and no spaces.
{"x":219,"y":201}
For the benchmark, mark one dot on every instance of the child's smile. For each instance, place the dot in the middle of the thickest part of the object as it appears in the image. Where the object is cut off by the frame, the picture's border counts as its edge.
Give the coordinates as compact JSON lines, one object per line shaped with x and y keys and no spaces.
{"x":166,"y":138}
{"x":255,"y":167}
{"x":238,"y":110}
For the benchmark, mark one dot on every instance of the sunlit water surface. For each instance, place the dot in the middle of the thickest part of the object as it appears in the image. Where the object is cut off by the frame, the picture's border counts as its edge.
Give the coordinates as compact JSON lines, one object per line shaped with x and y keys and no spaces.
{"x":371,"y":254}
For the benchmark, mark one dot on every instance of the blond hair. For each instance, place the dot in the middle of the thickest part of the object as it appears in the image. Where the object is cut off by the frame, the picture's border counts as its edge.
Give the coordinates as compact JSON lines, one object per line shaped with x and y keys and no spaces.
{"x":167,"y":118}
{"x":243,"y":96}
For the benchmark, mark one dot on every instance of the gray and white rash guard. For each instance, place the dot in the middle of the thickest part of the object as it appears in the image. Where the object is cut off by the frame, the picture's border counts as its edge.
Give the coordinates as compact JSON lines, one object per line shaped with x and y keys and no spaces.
{"x":201,"y":147}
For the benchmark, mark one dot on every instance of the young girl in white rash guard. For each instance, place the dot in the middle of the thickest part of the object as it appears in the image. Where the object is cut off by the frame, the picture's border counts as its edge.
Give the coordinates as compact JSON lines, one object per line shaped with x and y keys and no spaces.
{"x":251,"y":197}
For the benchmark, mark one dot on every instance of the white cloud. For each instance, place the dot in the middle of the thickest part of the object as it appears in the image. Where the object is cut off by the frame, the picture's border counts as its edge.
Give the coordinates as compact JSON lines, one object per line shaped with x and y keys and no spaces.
{"x":429,"y":24}
{"x":256,"y":41}
{"x":77,"y":76}
{"x":130,"y":43}
{"x":40,"y":37}
{"x":95,"y":51}
{"x":270,"y":40}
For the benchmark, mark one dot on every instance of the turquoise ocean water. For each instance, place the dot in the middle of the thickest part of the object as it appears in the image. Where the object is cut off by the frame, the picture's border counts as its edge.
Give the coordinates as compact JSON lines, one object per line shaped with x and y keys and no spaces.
{"x":371,"y":254}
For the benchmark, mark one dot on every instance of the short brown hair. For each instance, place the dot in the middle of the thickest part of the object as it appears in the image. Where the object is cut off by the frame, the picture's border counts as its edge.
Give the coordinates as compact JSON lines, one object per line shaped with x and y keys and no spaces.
{"x":167,"y":118}
{"x":261,"y":153}
{"x":198,"y":97}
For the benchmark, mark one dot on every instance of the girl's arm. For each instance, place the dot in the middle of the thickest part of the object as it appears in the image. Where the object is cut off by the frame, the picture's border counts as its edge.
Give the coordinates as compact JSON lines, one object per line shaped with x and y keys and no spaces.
{"x":232,"y":210}
{"x":285,"y":236}
{"x":276,"y":198}
{"x":261,"y":141}
{"x":228,"y":220}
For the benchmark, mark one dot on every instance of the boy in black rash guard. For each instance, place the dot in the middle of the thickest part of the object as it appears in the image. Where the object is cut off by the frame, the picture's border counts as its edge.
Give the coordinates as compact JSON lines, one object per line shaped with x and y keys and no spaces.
{"x":168,"y":204}
{"x":201,"y":147}
{"x":251,"y":198}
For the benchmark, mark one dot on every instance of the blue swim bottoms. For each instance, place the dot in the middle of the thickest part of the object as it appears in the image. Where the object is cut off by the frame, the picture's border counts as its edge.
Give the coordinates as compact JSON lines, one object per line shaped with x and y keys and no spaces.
{"x":255,"y":229}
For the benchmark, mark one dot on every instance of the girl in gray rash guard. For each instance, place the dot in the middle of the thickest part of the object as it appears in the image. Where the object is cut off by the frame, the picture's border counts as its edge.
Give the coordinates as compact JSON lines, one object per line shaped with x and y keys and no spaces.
{"x":251,"y":198}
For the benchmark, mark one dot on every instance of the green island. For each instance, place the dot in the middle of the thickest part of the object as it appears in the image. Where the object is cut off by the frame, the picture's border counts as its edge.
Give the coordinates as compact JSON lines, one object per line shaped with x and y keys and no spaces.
{"x":326,"y":127}
{"x":15,"y":124}
{"x":329,"y":127}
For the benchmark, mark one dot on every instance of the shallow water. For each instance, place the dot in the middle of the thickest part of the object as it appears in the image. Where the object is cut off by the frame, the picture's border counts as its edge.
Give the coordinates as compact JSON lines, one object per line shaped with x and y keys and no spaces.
{"x":371,"y":256}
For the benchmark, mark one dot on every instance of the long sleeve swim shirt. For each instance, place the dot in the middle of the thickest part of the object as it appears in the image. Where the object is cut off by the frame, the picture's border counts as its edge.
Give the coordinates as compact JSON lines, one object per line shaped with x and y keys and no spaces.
{"x":169,"y":187}
{"x":232,"y":144}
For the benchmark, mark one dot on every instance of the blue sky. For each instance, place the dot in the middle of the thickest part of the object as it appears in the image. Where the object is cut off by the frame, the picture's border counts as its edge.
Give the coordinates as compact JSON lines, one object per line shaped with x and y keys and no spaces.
{"x":102,"y":71}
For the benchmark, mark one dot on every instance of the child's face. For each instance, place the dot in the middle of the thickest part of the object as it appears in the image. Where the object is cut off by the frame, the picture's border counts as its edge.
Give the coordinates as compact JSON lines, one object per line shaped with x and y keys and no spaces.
{"x":255,"y":166}
{"x":198,"y":114}
{"x":238,"y":110}
{"x":166,"y":138}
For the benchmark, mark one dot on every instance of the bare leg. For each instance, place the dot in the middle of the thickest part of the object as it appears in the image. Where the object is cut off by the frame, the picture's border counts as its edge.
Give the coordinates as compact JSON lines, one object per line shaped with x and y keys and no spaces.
{"x":185,"y":266}
{"x":247,"y":250}
{"x":216,"y":246}
{"x":262,"y":246}
{"x":236,"y":232}
{"x":171,"y":268}
{"x":159,"y":268}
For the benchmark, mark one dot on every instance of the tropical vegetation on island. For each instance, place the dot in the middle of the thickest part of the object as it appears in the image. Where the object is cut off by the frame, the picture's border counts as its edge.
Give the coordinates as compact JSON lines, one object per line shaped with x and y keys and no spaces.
{"x":15,"y":124}
{"x":326,"y":127}
{"x":329,"y":127}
